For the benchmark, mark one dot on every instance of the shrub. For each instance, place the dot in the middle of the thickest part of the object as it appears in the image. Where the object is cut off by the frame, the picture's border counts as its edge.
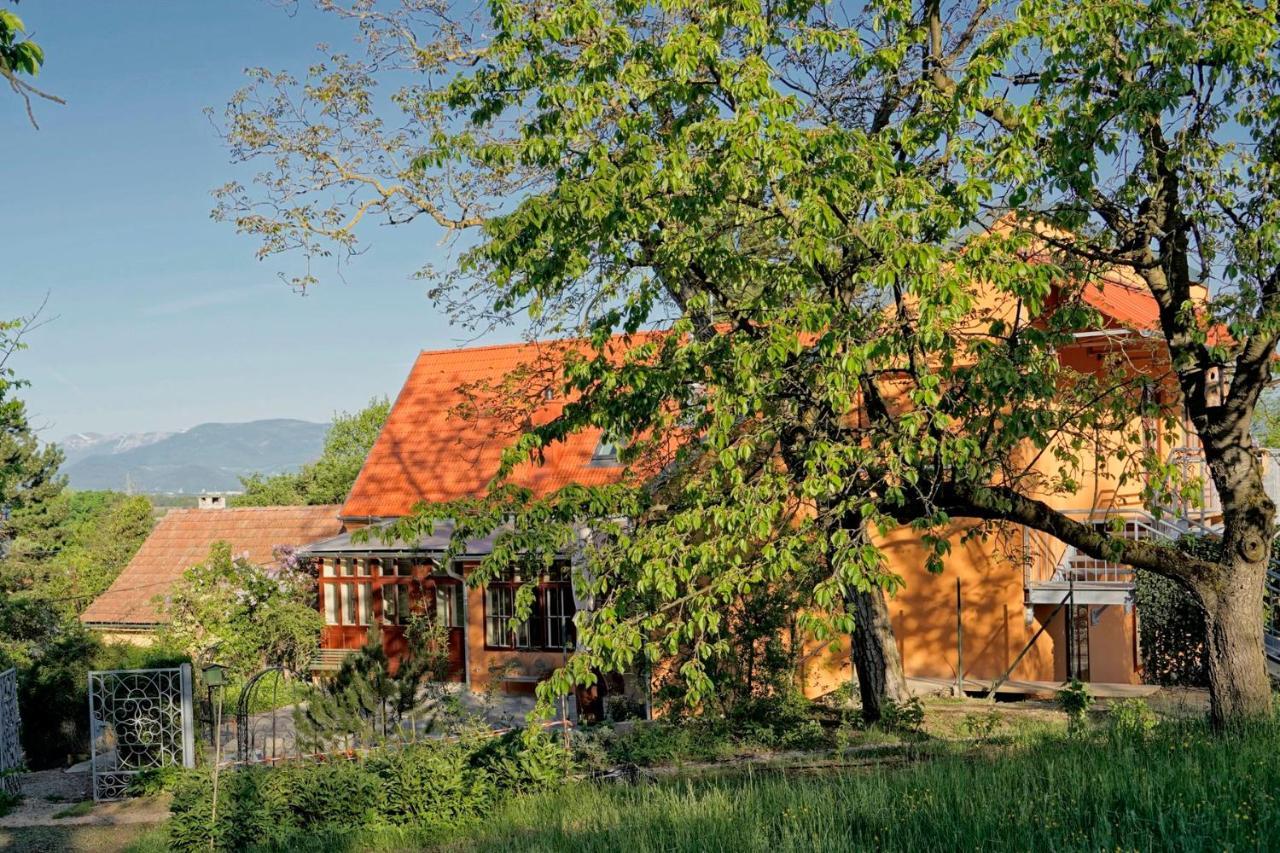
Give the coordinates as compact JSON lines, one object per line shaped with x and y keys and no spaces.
{"x":525,"y":761}
{"x":619,"y":708}
{"x":1075,"y":700}
{"x":907,"y":716}
{"x":433,"y":785}
{"x":982,"y":726}
{"x":773,"y":720}
{"x":1130,"y":720}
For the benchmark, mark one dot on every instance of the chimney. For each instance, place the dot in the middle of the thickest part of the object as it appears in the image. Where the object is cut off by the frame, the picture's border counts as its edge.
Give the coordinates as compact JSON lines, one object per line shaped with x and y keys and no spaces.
{"x":212,"y":502}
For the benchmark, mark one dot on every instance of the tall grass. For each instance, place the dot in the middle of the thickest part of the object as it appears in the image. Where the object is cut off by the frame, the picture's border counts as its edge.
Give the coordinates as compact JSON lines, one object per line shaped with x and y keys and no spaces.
{"x":1180,"y":788}
{"x":1184,"y":789}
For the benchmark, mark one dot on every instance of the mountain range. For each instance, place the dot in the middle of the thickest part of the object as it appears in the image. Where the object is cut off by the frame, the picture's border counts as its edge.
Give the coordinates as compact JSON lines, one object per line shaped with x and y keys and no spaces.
{"x":206,"y":458}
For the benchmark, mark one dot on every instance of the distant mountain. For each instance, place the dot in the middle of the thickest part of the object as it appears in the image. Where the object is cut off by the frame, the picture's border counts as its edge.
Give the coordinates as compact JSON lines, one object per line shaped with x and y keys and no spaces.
{"x":84,"y":444}
{"x":205,"y":458}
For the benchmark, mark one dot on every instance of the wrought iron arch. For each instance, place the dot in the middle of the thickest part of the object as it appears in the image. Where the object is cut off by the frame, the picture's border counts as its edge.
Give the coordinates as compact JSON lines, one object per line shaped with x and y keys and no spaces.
{"x":246,"y":730}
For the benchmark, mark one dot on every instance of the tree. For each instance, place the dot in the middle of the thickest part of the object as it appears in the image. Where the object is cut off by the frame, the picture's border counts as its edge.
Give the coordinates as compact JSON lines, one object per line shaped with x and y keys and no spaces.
{"x":369,"y":700}
{"x":329,"y":478}
{"x":800,"y":198}
{"x":21,"y":57}
{"x":28,"y":471}
{"x":69,"y":548}
{"x":1155,"y":144}
{"x":230,"y":611}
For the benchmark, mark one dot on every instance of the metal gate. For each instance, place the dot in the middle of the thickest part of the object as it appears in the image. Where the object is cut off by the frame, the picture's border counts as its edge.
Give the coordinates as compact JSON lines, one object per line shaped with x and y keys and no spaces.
{"x":10,"y":732}
{"x":139,"y":720}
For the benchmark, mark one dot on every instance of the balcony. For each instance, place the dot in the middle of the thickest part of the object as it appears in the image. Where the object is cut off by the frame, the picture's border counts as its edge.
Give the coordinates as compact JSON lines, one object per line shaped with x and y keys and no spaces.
{"x":1052,"y":570}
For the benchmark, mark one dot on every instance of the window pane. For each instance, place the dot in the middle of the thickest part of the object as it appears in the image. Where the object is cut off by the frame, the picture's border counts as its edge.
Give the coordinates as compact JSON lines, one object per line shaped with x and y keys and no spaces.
{"x":459,"y":606}
{"x":497,"y":604}
{"x":326,"y":568}
{"x":348,"y":605}
{"x":346,"y":568}
{"x":330,"y":593}
{"x":405,"y":610}
{"x":389,"y":605}
{"x":366,"y":603}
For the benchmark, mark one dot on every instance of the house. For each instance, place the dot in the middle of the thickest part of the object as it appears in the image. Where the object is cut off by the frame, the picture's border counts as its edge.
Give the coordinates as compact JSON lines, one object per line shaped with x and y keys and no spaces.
{"x":182,"y":539}
{"x":443,"y":441}
{"x":450,"y":423}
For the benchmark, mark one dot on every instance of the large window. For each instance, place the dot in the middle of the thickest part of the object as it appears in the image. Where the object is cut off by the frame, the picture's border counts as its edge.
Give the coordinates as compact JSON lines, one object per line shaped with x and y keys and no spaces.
{"x":550,"y":625}
{"x":347,"y":599}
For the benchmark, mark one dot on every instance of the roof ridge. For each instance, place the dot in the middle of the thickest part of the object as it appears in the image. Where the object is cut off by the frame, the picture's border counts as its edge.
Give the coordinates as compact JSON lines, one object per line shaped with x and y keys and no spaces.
{"x":183,"y":510}
{"x":539,"y":342}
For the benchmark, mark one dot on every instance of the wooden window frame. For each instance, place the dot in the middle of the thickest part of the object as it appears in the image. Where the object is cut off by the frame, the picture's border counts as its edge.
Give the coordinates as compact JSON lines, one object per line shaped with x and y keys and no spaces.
{"x":538,"y":623}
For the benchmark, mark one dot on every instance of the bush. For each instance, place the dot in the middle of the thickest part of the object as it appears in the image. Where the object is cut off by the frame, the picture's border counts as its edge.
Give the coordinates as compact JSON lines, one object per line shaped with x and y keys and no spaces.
{"x":982,"y":726}
{"x":433,"y":785}
{"x":1130,"y":720}
{"x":907,"y":716}
{"x":1074,"y":699}
{"x":1171,"y":633}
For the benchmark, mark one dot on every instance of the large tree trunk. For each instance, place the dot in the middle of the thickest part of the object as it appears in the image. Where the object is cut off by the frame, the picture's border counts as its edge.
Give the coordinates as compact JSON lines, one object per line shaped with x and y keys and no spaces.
{"x":876,"y":662}
{"x":1240,"y":689}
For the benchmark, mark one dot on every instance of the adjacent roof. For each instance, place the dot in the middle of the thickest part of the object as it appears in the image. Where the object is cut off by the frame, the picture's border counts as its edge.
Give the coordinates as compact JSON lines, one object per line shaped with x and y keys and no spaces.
{"x":182,"y":538}
{"x":457,"y":412}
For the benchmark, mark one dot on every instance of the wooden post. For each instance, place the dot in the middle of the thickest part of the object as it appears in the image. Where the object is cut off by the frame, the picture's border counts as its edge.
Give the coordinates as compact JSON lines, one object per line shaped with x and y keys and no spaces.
{"x":959,"y":688}
{"x":1071,"y":626}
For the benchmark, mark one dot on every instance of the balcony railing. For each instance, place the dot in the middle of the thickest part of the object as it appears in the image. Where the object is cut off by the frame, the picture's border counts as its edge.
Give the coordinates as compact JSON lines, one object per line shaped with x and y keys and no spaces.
{"x":1051,"y":562}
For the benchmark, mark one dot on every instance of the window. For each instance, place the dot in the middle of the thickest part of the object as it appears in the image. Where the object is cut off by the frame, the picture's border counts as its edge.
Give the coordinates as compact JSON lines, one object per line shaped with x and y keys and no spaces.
{"x":550,"y":625}
{"x":396,"y":606}
{"x":449,"y":608}
{"x":348,"y":604}
{"x":500,"y":608}
{"x":348,"y":567}
{"x":330,"y":593}
{"x":328,"y":568}
{"x":559,"y":609}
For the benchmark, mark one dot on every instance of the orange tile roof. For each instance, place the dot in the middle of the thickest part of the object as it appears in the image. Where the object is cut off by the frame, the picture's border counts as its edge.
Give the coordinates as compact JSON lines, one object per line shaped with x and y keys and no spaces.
{"x":457,"y":412}
{"x":182,"y":538}
{"x":1127,"y":303}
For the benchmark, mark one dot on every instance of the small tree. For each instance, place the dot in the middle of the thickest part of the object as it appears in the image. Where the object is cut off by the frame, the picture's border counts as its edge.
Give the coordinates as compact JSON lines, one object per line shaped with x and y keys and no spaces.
{"x":242,"y":615}
{"x":370,"y":700}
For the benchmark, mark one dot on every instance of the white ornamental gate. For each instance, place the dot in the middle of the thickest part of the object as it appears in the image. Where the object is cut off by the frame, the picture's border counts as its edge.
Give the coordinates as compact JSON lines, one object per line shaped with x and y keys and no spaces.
{"x":139,"y":720}
{"x":10,"y":732}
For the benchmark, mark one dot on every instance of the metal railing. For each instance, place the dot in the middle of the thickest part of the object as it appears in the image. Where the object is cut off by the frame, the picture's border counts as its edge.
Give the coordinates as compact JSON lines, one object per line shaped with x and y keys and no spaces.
{"x":1050,"y":561}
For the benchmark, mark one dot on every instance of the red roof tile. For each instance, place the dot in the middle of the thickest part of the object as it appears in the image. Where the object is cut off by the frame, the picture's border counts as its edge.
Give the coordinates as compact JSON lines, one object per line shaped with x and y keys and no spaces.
{"x":182,"y":538}
{"x":457,"y":412}
{"x":1128,"y":304}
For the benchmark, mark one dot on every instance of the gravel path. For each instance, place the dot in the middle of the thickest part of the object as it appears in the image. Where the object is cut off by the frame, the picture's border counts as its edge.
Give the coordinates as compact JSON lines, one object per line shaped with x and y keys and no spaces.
{"x":45,"y":793}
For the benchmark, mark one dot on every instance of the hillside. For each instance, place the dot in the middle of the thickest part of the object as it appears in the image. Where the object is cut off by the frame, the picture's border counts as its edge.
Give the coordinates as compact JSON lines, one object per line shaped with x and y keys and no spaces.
{"x":208,"y":457}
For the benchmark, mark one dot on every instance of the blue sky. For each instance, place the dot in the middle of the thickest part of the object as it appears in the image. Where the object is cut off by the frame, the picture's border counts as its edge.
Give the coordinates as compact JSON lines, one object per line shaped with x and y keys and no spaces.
{"x":163,"y":318}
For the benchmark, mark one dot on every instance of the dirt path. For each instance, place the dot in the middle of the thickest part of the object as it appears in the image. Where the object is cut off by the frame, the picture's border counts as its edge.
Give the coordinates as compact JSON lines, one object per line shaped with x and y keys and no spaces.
{"x":46,"y":794}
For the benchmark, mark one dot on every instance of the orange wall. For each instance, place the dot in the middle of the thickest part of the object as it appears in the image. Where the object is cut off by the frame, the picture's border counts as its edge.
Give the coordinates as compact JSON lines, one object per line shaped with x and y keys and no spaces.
{"x":993,"y":612}
{"x":483,"y":665}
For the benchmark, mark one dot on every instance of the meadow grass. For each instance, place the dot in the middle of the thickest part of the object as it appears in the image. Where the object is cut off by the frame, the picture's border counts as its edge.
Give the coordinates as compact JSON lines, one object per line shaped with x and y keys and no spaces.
{"x":1183,"y":789}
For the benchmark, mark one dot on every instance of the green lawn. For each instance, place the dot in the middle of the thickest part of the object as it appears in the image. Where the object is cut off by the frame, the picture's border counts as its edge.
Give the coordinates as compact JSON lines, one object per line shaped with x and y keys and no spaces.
{"x":1185,"y":789}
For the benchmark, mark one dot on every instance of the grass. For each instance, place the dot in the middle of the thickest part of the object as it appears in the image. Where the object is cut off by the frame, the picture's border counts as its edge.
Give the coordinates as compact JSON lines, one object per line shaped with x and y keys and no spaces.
{"x":78,"y":810}
{"x":1185,"y":789}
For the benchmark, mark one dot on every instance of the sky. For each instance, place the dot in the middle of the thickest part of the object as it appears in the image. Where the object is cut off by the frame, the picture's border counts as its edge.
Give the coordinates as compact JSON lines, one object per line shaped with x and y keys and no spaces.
{"x":161,"y":318}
